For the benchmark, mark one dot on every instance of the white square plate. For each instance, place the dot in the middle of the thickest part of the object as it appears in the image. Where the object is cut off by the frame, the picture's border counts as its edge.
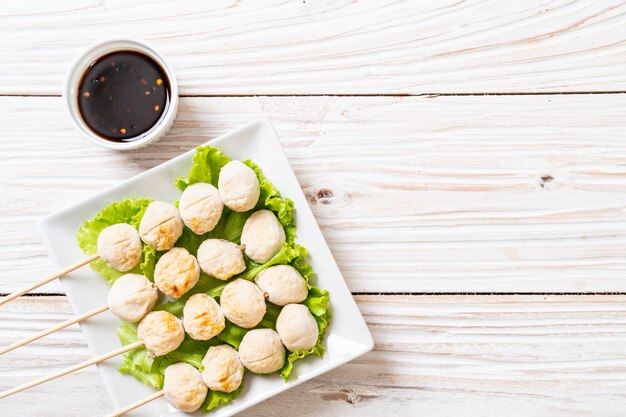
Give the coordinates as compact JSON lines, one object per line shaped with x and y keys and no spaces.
{"x":347,"y":338}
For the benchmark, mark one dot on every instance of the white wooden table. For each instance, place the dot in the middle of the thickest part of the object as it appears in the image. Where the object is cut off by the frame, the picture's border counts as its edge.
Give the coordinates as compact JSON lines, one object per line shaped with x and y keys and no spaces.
{"x":466,"y":161}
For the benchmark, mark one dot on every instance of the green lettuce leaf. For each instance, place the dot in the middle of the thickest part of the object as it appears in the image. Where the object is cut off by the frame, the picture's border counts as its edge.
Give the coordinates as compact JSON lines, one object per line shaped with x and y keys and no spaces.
{"x":148,"y":261}
{"x":191,"y":351}
{"x":286,"y":255}
{"x":232,"y":334}
{"x":190,"y":241}
{"x":233,"y":226}
{"x":206,"y":166}
{"x":126,"y":211}
{"x":216,"y":398}
{"x":270,"y":317}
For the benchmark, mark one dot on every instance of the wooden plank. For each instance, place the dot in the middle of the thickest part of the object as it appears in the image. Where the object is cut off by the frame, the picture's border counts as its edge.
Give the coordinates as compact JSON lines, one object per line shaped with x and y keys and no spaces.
{"x":340,"y":47}
{"x":413,"y":194}
{"x":446,"y":355}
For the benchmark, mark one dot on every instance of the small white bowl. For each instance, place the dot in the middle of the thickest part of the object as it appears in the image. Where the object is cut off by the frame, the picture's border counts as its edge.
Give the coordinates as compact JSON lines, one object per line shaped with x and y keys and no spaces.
{"x":82,"y":63}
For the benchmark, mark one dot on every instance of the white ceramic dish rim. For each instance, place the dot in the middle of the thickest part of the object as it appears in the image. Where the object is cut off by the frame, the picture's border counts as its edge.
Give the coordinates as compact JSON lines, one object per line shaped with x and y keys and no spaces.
{"x":91,"y":54}
{"x":361,"y":346}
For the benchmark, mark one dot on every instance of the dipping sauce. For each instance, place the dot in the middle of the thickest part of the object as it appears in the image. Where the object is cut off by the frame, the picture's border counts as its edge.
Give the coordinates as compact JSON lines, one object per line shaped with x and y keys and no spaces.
{"x":123,"y":95}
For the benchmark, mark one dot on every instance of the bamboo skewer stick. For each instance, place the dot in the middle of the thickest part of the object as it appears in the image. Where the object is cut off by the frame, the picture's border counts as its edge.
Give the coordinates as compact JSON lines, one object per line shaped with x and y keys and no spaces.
{"x":136,"y":404}
{"x":53,"y":329}
{"x":49,"y":278}
{"x":71,"y":369}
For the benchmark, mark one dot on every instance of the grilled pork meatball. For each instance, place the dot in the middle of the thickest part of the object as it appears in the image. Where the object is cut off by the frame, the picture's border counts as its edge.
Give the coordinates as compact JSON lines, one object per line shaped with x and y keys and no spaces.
{"x":161,"y":332}
{"x":120,"y":246}
{"x":238,"y":186}
{"x":202,"y":317}
{"x":223,"y":370}
{"x":183,"y":387}
{"x":131,"y":297}
{"x":220,"y":258}
{"x":261,"y":351}
{"x":200,"y":207}
{"x":161,"y":225}
{"x":262,"y":236}
{"x":283,"y":285}
{"x":296,"y":327}
{"x":176,"y":272}
{"x":243,"y":303}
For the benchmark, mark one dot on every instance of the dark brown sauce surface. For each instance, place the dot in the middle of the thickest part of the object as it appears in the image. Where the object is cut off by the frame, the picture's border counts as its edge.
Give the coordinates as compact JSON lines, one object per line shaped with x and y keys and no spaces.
{"x":123,"y":95}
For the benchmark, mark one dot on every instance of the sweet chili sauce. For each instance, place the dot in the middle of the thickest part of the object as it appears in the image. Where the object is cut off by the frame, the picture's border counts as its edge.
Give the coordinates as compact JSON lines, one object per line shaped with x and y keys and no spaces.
{"x":123,"y":95}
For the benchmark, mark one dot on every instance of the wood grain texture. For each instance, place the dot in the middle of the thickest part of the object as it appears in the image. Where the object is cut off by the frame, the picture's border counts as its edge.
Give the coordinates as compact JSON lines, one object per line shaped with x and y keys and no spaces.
{"x":331,"y":47}
{"x":455,"y":194}
{"x":520,"y":356}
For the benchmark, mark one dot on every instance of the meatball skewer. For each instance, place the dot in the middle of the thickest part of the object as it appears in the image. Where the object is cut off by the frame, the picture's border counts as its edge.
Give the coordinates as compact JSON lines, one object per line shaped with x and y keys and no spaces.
{"x":119,"y":246}
{"x":160,"y":332}
{"x":131,"y":297}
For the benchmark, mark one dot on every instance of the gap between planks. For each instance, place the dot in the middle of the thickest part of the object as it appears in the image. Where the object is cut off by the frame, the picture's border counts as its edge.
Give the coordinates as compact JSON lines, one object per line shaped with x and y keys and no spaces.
{"x":433,"y":94}
{"x":391,"y":293}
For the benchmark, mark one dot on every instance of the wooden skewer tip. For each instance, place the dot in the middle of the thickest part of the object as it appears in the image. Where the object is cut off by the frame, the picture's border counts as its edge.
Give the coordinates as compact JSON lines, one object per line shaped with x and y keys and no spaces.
{"x":53,"y":329}
{"x":49,"y":278}
{"x":136,"y":404}
{"x":71,"y":369}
